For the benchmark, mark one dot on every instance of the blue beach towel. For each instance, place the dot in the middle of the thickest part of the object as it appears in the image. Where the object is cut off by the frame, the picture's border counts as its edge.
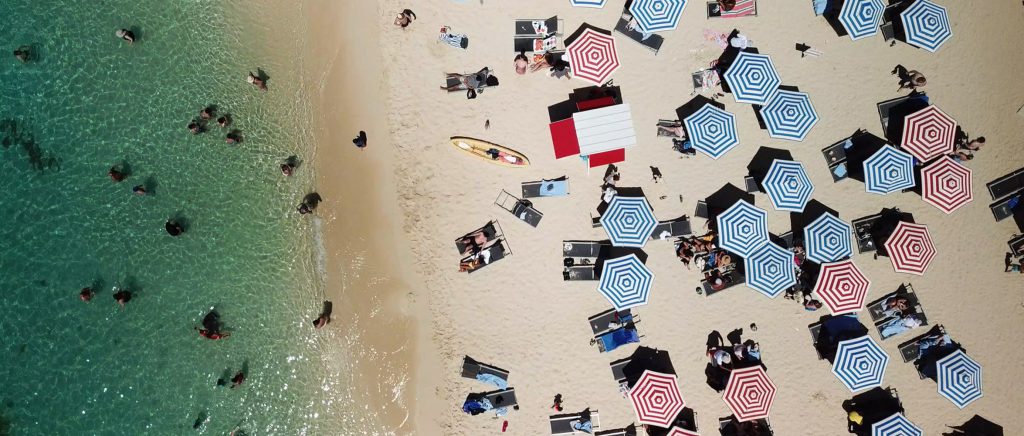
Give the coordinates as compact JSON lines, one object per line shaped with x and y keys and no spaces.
{"x":492,"y":379}
{"x":554,"y":188}
{"x":619,"y":338}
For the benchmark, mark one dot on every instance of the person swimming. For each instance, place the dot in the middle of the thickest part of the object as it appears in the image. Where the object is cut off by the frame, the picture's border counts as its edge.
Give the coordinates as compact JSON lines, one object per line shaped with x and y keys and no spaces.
{"x":122,"y":296}
{"x":139,"y":190}
{"x":287,"y":168}
{"x":86,"y":294}
{"x":126,"y":35}
{"x":116,"y":175}
{"x":237,"y":380}
{"x":206,"y":113}
{"x":224,"y":121}
{"x":195,"y":127}
{"x":173,"y":228}
{"x":233,"y":137}
{"x":214,"y":335}
{"x":23,"y":54}
{"x":256,"y":81}
{"x":325,"y":316}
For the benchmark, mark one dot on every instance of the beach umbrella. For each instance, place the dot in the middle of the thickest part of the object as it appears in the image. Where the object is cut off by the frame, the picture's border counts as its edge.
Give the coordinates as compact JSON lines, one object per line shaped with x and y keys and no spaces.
{"x":910,"y":248}
{"x":625,"y":282}
{"x":749,"y":393}
{"x":861,"y":18}
{"x":928,"y":133}
{"x":657,"y":15}
{"x":842,"y":287}
{"x":895,"y":425}
{"x":752,"y":78}
{"x":712,"y":131}
{"x":679,"y":431}
{"x":787,"y":185}
{"x":742,"y":228}
{"x":656,"y":398}
{"x":770,"y":270}
{"x":888,"y":170}
{"x":628,"y":221}
{"x":860,"y":363}
{"x":926,"y":25}
{"x":827,"y":239}
{"x":946,"y":184}
{"x":959,"y":378}
{"x":789,"y":115}
{"x":593,"y":56}
{"x":588,"y":3}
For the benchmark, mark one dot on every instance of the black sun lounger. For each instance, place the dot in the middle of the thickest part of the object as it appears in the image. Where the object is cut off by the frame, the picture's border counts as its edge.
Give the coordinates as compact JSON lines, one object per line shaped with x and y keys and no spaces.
{"x":562,"y":424}
{"x":652,"y":43}
{"x":815,"y":330}
{"x":876,"y":309}
{"x":862,"y":230}
{"x":835,"y":157}
{"x":587,"y":249}
{"x":1016,"y":245}
{"x":1006,"y":185}
{"x":625,"y":431}
{"x":619,"y":370}
{"x":538,"y":35}
{"x":546,"y":188}
{"x":470,"y":369}
{"x":522,"y":209}
{"x":451,"y":82}
{"x":579,"y":272}
{"x":676,"y":228}
{"x":886,"y":106}
{"x":1001,"y":209}
{"x":910,"y":351}
{"x":491,"y":231}
{"x":497,"y":251}
{"x":601,"y":322}
{"x":730,"y":426}
{"x":502,"y":398}
{"x":525,"y":27}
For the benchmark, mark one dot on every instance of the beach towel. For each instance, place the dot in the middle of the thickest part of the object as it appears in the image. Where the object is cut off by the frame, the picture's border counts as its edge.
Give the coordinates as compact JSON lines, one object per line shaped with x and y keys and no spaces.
{"x":476,"y":407}
{"x":456,"y":40}
{"x":619,"y":338}
{"x":554,"y":188}
{"x":819,"y":6}
{"x":492,"y":379}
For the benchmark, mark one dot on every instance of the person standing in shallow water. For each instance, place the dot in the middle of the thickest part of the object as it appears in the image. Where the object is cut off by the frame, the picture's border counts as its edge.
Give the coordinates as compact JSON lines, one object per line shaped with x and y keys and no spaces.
{"x":23,"y":54}
{"x":86,"y":294}
{"x":126,"y":35}
{"x":174,"y":228}
{"x":122,"y":296}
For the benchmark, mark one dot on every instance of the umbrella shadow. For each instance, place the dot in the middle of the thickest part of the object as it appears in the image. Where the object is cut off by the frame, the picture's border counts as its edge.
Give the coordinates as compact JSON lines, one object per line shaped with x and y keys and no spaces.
{"x":695,"y":104}
{"x":762,"y":161}
{"x":723,"y":199}
{"x":812,"y":211}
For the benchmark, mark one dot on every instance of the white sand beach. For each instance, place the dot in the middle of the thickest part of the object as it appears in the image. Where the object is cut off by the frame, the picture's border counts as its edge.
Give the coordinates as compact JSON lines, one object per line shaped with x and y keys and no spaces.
{"x":410,"y":194}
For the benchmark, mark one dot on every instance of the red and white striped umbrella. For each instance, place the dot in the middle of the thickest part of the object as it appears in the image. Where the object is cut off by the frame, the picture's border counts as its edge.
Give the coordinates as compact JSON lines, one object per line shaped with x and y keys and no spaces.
{"x":928,"y":133}
{"x":656,"y":398}
{"x":592,"y":56}
{"x":676,"y":431}
{"x":946,"y":184}
{"x":749,"y":393}
{"x":842,"y":287}
{"x":910,"y":248}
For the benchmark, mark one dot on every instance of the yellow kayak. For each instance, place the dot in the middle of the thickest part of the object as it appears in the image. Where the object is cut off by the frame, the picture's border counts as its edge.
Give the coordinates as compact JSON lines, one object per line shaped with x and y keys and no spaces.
{"x":490,"y":151}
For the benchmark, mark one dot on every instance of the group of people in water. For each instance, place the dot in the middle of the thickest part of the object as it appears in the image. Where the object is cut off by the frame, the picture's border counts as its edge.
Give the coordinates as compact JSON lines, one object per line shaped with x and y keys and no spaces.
{"x":121,"y":296}
{"x":206,"y":114}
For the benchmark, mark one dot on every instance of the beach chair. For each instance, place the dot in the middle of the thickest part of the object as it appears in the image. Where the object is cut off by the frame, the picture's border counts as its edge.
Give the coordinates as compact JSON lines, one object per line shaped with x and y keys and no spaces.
{"x":787,"y":240}
{"x":705,"y":80}
{"x":751,"y":184}
{"x":702,"y":210}
{"x":885,"y":107}
{"x":815,"y":330}
{"x":616,"y":338}
{"x":579,"y":273}
{"x":522,"y":209}
{"x":910,"y":350}
{"x":743,"y":8}
{"x":625,"y":431}
{"x":862,"y":230}
{"x":546,"y":188}
{"x":534,"y":35}
{"x":666,"y":230}
{"x":728,"y":427}
{"x":1003,"y":208}
{"x":491,"y":230}
{"x":562,"y":424}
{"x":653,"y":41}
{"x":876,"y":309}
{"x":471,"y":368}
{"x":1006,"y":185}
{"x":730,"y":274}
{"x":619,"y":372}
{"x":583,"y":249}
{"x":454,"y":84}
{"x":608,"y":320}
{"x":835,"y":157}
{"x":1016,"y":245}
{"x":502,"y":397}
{"x":497,"y":251}
{"x":580,"y":259}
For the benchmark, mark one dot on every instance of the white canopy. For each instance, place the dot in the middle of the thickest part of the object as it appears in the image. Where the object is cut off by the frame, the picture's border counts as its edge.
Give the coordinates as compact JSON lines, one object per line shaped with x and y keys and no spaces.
{"x":605,"y":129}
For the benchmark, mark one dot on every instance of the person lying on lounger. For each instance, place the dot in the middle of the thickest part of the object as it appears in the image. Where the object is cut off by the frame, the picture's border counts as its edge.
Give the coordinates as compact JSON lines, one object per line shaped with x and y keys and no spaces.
{"x":473,"y":242}
{"x":583,"y":425}
{"x":480,"y":259}
{"x":475,"y":82}
{"x":899,"y":325}
{"x":674,"y":130}
{"x":895,"y":305}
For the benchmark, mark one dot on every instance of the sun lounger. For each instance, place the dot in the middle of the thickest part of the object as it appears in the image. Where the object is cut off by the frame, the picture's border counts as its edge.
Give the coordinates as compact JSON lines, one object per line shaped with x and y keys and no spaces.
{"x":491,"y":230}
{"x":835,"y":157}
{"x":743,"y":8}
{"x":652,"y":43}
{"x":578,"y":273}
{"x":582,"y":249}
{"x":886,"y":107}
{"x":562,"y":424}
{"x":497,"y":251}
{"x":1016,"y":245}
{"x":751,"y":185}
{"x":672,"y":229}
{"x":608,"y":320}
{"x":702,"y":209}
{"x":815,"y":330}
{"x":546,"y":188}
{"x":910,"y":351}
{"x":862,"y":231}
{"x":1006,"y":185}
{"x":876,"y":309}
{"x":451,"y":82}
{"x":619,"y":370}
{"x":502,"y":398}
{"x":727,"y":427}
{"x":534,"y":27}
{"x":613,"y":339}
{"x":1003,"y":209}
{"x":626,"y":431}
{"x":522,"y":209}
{"x":471,"y":368}
{"x":538,"y":35}
{"x":730,"y":275}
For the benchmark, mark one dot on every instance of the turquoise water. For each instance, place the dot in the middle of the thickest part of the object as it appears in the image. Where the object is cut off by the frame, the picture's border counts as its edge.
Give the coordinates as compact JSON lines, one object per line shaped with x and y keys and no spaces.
{"x":89,"y":101}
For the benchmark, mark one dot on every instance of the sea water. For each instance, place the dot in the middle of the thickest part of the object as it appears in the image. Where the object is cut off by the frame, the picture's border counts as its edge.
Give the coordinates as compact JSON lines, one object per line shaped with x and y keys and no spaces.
{"x":88,"y":101}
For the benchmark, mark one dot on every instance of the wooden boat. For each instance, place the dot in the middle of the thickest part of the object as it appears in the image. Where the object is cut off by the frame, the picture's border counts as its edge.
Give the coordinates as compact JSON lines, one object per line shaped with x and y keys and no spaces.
{"x":490,"y":152}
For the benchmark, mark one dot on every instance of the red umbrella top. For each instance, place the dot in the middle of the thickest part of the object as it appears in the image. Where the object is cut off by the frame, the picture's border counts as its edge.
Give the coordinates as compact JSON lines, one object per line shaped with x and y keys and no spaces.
{"x":946,"y":184}
{"x":656,"y":398}
{"x":928,"y":133}
{"x":749,"y":393}
{"x":592,"y":56}
{"x":910,"y":248}
{"x":842,"y":287}
{"x":676,"y":431}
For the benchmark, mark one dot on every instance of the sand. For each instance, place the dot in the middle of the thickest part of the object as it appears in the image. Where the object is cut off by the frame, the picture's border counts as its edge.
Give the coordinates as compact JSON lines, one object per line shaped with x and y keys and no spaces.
{"x":405,"y":198}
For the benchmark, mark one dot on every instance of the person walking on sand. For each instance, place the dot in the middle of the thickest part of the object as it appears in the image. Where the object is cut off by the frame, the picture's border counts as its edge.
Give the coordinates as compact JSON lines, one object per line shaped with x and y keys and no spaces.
{"x":911,"y":79}
{"x":256,"y":81}
{"x":405,"y":18}
{"x":126,"y":35}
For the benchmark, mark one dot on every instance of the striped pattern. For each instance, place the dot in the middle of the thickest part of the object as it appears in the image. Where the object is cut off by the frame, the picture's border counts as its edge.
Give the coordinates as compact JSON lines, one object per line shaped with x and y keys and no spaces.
{"x":593,"y":56}
{"x":743,"y":8}
{"x":860,"y":363}
{"x":657,"y":15}
{"x":842,"y":287}
{"x":947,"y":185}
{"x":656,"y":399}
{"x":677,"y":431}
{"x":861,"y":18}
{"x":604,"y":129}
{"x":959,"y":379}
{"x":928,"y":133}
{"x":628,"y":221}
{"x":712,"y":131}
{"x":789,"y":115}
{"x":888,"y":170}
{"x":787,"y":185}
{"x":749,"y":393}
{"x":926,"y":25}
{"x":769,"y":270}
{"x":742,"y":228}
{"x":895,"y":425}
{"x":827,"y":239}
{"x":752,"y":78}
{"x":588,"y":3}
{"x":625,"y":282}
{"x":910,"y":248}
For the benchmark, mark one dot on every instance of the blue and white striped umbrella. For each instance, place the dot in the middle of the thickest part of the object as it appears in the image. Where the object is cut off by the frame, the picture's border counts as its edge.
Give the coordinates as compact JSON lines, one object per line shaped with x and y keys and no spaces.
{"x":827,"y":239}
{"x":787,"y":185}
{"x":769,"y":270}
{"x":888,"y":170}
{"x":712,"y":131}
{"x":789,"y":115}
{"x":625,"y":282}
{"x":860,"y":363}
{"x":628,"y":221}
{"x":752,"y":78}
{"x":895,"y":425}
{"x":959,"y":378}
{"x":742,"y":228}
{"x":926,"y":25}
{"x":589,"y":3}
{"x":861,"y":18}
{"x":657,"y":15}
